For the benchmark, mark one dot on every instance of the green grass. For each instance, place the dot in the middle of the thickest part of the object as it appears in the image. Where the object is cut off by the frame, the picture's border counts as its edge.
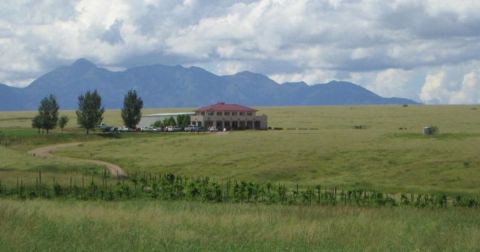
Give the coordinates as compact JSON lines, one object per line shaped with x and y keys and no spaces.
{"x":179,"y":226}
{"x":328,"y":151}
{"x":388,"y":154}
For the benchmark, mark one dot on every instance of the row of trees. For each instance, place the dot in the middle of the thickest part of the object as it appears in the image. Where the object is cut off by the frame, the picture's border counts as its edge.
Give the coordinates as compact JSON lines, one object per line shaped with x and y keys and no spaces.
{"x":181,"y":121}
{"x":89,"y":114}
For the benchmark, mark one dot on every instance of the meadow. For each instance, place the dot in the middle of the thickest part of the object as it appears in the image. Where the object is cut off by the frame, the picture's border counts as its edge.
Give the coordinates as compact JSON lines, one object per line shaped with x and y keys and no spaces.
{"x":319,"y":145}
{"x":369,"y":147}
{"x":375,"y":147}
{"x":49,"y":225}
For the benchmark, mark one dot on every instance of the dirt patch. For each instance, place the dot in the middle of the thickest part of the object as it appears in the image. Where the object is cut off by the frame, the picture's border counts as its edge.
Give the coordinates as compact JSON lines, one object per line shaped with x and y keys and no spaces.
{"x":47,"y":152}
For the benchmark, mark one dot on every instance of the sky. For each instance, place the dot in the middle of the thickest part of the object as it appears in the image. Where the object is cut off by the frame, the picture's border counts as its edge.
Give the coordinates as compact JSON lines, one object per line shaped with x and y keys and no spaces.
{"x":424,"y":50}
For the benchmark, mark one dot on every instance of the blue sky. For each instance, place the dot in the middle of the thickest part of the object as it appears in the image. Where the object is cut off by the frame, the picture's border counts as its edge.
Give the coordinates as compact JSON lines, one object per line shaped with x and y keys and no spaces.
{"x":426,"y":50}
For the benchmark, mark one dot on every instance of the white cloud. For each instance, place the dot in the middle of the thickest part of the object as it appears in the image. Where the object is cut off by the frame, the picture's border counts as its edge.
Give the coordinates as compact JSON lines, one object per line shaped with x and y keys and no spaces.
{"x":469,"y":91}
{"x":435,"y":89}
{"x":395,"y":48}
{"x":444,"y":87}
{"x":310,"y":77}
{"x":391,"y":82}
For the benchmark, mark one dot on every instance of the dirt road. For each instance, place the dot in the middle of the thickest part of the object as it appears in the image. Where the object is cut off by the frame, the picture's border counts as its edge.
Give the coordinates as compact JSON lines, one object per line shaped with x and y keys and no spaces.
{"x":47,"y":152}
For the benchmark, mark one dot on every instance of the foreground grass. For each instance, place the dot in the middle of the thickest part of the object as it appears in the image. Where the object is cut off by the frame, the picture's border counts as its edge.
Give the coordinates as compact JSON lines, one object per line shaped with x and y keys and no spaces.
{"x":178,"y":226}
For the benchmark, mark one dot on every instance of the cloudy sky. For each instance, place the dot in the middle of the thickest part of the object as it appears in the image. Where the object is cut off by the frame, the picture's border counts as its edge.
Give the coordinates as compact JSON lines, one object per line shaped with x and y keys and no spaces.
{"x":426,"y":50}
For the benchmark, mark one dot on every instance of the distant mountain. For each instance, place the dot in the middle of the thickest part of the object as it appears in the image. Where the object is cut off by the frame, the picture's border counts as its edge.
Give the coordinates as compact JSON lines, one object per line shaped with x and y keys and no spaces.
{"x":9,"y":98}
{"x":177,"y":86}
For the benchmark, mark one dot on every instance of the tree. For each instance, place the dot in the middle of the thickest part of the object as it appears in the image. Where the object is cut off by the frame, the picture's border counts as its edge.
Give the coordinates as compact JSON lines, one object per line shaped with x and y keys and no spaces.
{"x":158,"y":124}
{"x":169,"y":121}
{"x":183,"y":120}
{"x":37,"y":123}
{"x":62,"y":122}
{"x":47,"y":113}
{"x":132,"y":109}
{"x":90,"y":110}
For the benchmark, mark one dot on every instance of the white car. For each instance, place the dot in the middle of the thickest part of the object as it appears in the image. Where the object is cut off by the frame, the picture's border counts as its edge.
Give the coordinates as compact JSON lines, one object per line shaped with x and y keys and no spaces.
{"x":123,"y":129}
{"x":150,"y":129}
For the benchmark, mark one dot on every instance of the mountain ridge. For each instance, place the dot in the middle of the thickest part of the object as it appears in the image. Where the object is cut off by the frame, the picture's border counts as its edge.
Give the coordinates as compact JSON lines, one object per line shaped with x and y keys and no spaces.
{"x":177,"y":86}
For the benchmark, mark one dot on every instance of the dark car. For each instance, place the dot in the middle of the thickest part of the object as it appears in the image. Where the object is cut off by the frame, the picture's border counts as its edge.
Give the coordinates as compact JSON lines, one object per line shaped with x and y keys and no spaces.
{"x":108,"y":129}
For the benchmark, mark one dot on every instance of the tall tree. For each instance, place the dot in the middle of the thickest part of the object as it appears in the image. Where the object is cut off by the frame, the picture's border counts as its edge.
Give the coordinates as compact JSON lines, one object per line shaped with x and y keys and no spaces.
{"x":132,"y":109}
{"x":48,"y":113}
{"x":62,"y":122}
{"x":37,"y":123}
{"x":90,"y":110}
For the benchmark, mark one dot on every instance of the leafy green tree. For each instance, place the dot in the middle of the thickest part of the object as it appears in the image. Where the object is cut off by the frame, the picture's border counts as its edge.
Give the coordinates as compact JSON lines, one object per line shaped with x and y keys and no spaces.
{"x":158,"y":124}
{"x":62,"y":122}
{"x":179,"y":120}
{"x":48,"y":113}
{"x":90,"y":110}
{"x":132,"y":109}
{"x":183,"y":120}
{"x":37,"y":123}
{"x":169,"y":121}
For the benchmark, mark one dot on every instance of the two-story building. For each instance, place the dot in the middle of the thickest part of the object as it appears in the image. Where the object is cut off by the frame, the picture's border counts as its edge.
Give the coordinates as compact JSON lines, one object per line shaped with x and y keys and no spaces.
{"x":229,"y":116}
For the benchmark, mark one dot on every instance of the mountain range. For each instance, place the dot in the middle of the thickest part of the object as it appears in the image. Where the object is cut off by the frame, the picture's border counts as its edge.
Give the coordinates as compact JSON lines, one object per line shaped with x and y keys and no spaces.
{"x":177,"y":86}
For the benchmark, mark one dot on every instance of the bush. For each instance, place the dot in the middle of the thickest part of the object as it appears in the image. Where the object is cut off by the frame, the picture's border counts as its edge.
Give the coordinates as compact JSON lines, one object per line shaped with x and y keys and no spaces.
{"x":158,"y":124}
{"x":430,"y":130}
{"x":359,"y":127}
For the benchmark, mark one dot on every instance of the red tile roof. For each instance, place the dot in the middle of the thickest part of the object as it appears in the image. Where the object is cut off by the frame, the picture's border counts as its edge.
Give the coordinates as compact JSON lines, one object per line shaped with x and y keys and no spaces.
{"x":221,"y":106}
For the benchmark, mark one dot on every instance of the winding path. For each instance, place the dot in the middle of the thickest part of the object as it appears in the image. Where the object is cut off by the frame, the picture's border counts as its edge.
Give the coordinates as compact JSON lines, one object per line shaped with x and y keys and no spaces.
{"x":47,"y":152}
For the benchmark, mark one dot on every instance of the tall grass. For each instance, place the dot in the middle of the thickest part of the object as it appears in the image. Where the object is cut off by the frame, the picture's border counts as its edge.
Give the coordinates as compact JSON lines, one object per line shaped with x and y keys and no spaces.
{"x":65,"y":225}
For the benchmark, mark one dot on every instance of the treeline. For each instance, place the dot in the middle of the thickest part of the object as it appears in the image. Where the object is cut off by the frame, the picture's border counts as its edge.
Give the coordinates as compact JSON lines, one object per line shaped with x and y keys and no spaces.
{"x":204,"y":189}
{"x":181,"y":121}
{"x":89,"y":113}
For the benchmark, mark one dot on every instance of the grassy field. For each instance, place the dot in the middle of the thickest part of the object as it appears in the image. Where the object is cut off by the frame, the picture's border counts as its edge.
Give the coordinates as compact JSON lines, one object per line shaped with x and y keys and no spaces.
{"x":370,"y":147}
{"x":180,"y":226}
{"x":324,"y":148}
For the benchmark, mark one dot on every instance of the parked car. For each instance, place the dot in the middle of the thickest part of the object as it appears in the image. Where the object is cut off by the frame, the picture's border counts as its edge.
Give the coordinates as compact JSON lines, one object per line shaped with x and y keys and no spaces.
{"x":150,"y":129}
{"x":212,"y":129}
{"x":173,"y":129}
{"x":192,"y":128}
{"x":124,"y":129}
{"x":109,"y":129}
